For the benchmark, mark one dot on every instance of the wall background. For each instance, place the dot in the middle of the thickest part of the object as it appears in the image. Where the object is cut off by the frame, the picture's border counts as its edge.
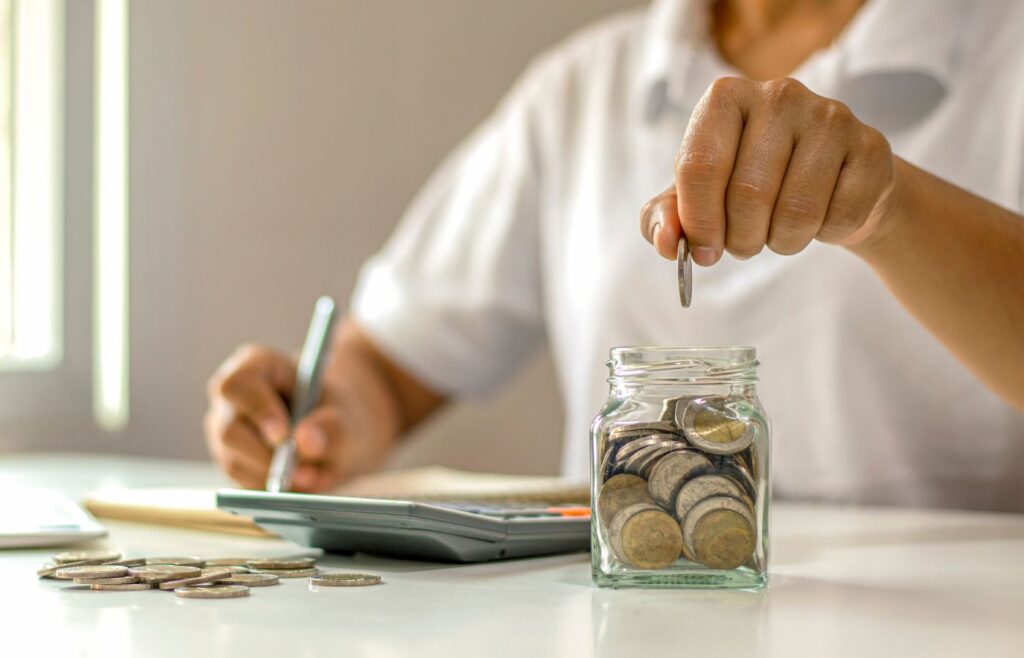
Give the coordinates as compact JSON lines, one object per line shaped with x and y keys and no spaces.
{"x":273,"y":147}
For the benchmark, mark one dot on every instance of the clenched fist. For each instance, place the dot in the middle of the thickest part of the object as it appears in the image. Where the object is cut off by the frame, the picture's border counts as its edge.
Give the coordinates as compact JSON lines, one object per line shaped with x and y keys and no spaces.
{"x":771,"y":163}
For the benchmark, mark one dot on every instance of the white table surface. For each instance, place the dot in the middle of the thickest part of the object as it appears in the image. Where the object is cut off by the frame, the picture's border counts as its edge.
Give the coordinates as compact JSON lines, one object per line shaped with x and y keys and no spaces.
{"x":844,"y":582}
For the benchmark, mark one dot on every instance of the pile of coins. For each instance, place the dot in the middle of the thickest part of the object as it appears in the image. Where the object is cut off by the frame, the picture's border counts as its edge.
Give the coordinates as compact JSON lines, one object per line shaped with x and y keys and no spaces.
{"x":190,"y":577}
{"x":681,"y":486}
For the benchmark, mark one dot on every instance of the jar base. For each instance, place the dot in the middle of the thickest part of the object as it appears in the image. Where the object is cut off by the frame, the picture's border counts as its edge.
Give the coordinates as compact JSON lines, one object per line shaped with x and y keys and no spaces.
{"x":697,"y":579}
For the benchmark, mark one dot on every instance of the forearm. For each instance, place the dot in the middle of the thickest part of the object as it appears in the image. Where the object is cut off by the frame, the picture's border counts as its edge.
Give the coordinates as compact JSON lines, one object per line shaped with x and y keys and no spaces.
{"x":391,"y":399}
{"x":956,"y":263}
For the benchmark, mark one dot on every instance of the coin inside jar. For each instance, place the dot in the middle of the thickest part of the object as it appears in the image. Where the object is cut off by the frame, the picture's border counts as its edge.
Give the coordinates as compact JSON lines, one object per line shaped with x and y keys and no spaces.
{"x":645,"y":536}
{"x":670,"y":472}
{"x":620,"y":492}
{"x":709,"y":424}
{"x":719,"y":533}
{"x":706,"y":486}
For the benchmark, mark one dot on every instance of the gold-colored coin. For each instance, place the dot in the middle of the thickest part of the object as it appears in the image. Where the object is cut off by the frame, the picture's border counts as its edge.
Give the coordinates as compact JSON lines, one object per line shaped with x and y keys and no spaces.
{"x":710,"y":424}
{"x":720,"y":533}
{"x":619,"y":492}
{"x":646,"y":537}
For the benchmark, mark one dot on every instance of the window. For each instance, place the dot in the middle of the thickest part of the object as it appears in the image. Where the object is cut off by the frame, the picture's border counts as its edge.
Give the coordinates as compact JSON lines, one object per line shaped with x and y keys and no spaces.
{"x":40,"y":356}
{"x":31,"y":147}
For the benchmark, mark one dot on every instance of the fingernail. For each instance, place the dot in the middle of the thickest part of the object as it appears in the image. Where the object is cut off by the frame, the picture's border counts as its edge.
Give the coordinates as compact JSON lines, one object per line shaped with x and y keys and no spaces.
{"x":275,"y":431}
{"x":655,"y":233}
{"x":704,"y":256}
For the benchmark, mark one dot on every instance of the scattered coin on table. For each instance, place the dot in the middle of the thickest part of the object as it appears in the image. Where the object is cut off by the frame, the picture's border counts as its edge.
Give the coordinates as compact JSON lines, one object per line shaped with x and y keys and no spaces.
{"x":285,"y":563}
{"x":95,"y":571}
{"x":345,"y":580}
{"x":79,"y":556}
{"x":213,"y":592}
{"x":190,"y":577}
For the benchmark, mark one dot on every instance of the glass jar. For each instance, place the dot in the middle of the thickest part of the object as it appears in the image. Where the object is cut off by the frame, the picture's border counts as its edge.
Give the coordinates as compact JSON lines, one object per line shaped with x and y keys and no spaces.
{"x":679,"y":470}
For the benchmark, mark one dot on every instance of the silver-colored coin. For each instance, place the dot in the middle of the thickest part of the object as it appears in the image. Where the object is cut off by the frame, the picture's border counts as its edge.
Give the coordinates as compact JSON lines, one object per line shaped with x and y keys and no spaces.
{"x":627,"y":429}
{"x":127,"y":587}
{"x":713,"y":426}
{"x":232,"y":568}
{"x":733,"y":523}
{"x":642,"y":458}
{"x":229,"y":561}
{"x":739,"y":473}
{"x":177,"y":561}
{"x":706,"y":486}
{"x":158,"y":573}
{"x":201,"y":579}
{"x":290,"y":573}
{"x":345,"y":580}
{"x":213,"y":592}
{"x":282,"y":563}
{"x":50,"y":568}
{"x":119,"y":580}
{"x":130,"y":562}
{"x":649,"y":440}
{"x":684,"y":268}
{"x":78,"y":556}
{"x":251,"y":579}
{"x":670,"y":472}
{"x":668,"y":409}
{"x":94,"y":571}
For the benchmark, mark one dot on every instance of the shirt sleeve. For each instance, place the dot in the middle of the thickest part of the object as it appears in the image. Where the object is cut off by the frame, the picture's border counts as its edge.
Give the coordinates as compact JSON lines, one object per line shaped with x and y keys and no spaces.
{"x":454,"y":297}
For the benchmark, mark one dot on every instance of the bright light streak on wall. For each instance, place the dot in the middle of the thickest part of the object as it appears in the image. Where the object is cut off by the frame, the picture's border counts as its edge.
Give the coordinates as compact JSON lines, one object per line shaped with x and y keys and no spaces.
{"x":6,"y":205}
{"x":37,"y":189}
{"x":110,"y":233}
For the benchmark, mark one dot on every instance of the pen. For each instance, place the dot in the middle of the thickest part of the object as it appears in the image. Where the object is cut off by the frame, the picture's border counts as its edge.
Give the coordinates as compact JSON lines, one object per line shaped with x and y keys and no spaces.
{"x":307,"y":391}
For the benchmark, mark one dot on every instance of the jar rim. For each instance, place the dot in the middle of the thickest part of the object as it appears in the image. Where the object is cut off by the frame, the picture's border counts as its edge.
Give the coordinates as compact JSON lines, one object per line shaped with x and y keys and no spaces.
{"x":741,"y":353}
{"x":655,"y":365}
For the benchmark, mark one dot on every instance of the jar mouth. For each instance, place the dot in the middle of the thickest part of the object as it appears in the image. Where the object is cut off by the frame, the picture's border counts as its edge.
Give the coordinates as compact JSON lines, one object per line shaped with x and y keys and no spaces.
{"x":668,"y":365}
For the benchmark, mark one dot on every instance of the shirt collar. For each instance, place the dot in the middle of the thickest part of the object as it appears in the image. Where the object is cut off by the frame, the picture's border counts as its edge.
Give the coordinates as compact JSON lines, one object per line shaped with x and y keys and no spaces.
{"x":886,"y":36}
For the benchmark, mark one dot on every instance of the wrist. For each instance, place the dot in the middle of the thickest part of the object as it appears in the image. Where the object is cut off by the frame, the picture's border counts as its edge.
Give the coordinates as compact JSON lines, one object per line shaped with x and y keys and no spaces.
{"x":891,"y":214}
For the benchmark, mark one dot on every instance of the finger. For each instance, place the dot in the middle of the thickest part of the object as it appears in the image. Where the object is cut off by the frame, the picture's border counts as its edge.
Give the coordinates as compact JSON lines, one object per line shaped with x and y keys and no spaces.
{"x":239,"y":465}
{"x":252,"y":395}
{"x":704,"y":164}
{"x":806,"y":190}
{"x":313,"y":478}
{"x":864,"y":176}
{"x":228,"y":433}
{"x":659,"y":223}
{"x":243,"y":440}
{"x":761,"y":162}
{"x":242,"y":472}
{"x":319,"y":435}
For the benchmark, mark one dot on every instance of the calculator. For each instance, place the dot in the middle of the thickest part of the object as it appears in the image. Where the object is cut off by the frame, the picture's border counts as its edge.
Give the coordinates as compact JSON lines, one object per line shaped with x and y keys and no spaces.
{"x":460,"y":531}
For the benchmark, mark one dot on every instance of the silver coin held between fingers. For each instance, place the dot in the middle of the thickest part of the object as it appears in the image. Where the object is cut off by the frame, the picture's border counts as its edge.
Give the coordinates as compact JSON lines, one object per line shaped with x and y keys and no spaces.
{"x":685,"y":270}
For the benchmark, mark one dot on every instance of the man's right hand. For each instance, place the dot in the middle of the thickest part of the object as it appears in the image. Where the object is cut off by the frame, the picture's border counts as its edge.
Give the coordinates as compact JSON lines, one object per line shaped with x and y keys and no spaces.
{"x":365,"y":402}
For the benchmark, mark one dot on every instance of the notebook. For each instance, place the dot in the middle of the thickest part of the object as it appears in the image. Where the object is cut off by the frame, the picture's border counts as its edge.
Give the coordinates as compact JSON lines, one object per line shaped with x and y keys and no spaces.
{"x":197,"y":508}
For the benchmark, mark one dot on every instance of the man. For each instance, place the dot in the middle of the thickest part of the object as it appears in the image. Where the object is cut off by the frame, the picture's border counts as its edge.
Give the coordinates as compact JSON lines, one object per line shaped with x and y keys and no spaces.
{"x":888,"y":310}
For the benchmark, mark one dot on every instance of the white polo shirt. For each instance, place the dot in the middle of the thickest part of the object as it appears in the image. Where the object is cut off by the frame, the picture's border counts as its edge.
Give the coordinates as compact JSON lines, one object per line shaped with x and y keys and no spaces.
{"x":529,"y":232}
